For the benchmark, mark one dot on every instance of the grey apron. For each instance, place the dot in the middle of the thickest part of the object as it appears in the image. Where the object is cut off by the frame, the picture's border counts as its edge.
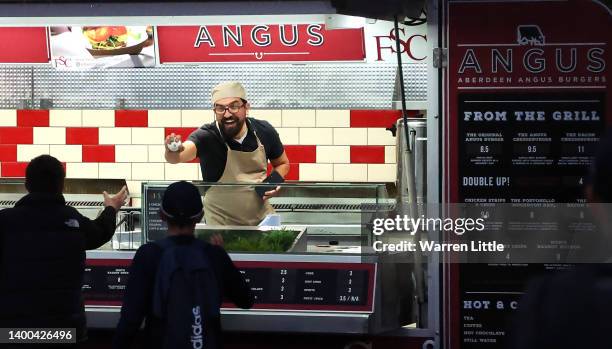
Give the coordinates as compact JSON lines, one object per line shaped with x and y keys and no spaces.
{"x":239,"y":205}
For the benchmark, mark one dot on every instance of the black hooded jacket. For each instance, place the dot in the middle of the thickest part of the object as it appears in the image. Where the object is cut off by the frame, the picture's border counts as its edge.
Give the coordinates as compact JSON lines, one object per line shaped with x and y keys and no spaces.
{"x":42,"y":260}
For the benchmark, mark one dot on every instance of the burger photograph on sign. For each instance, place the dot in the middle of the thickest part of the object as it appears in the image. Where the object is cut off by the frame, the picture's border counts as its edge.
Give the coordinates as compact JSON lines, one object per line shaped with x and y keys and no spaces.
{"x":94,"y":47}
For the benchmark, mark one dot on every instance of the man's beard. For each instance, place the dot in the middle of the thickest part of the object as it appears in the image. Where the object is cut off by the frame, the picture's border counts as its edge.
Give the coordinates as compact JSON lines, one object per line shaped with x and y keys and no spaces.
{"x":231,"y":130}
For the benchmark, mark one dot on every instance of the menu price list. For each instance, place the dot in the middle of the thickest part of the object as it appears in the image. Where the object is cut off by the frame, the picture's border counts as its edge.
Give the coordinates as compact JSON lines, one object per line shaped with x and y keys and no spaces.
{"x":105,"y":283}
{"x":289,"y":286}
{"x":156,"y":228}
{"x":537,"y":145}
{"x":523,"y":149}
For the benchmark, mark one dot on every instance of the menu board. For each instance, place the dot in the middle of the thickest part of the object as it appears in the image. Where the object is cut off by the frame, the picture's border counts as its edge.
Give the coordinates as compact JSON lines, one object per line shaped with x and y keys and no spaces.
{"x":154,"y":227}
{"x":523,"y":149}
{"x":527,"y":103}
{"x":105,"y":281}
{"x":310,"y":286}
{"x":534,"y":147}
{"x":274,"y":285}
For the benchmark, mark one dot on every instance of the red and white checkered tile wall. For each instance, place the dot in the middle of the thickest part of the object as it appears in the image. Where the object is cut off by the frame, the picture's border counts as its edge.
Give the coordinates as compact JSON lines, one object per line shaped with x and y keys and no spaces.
{"x":322,"y":145}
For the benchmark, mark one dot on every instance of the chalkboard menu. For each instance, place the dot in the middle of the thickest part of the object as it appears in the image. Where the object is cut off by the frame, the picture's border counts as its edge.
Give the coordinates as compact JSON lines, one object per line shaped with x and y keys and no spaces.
{"x":525,"y":149}
{"x":274,"y":285}
{"x":153,"y":226}
{"x":516,"y":148}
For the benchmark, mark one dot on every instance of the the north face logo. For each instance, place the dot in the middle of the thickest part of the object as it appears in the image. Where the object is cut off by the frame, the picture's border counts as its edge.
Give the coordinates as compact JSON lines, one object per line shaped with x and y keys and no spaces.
{"x":72,"y":223}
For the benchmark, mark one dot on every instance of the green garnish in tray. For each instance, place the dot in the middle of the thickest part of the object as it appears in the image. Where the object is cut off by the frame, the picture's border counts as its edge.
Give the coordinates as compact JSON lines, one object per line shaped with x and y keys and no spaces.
{"x":279,"y":240}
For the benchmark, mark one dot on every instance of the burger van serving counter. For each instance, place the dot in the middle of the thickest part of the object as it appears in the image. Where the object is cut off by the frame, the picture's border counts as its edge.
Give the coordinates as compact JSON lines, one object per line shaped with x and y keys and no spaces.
{"x":307,"y":275}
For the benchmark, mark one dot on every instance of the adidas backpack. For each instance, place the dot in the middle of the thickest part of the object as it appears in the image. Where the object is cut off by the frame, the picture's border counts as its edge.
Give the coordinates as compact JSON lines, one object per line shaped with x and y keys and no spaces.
{"x":186,"y":295}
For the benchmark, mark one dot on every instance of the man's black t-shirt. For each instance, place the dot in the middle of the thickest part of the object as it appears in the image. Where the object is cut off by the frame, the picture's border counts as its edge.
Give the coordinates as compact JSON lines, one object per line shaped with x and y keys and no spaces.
{"x":212,"y":151}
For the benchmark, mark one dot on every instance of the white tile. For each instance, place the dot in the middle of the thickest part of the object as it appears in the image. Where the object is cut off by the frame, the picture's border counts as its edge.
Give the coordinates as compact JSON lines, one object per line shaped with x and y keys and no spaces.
{"x":115,"y":135}
{"x":156,"y":153}
{"x":196,"y":117}
{"x":81,"y":170}
{"x":131,"y":153}
{"x":180,"y":172}
{"x":148,"y":171}
{"x":313,"y":136}
{"x":390,"y":155}
{"x":115,"y":170}
{"x":134,"y":187}
{"x":164,"y":118}
{"x":317,"y":172}
{"x":65,"y":117}
{"x":350,"y":136}
{"x":8,"y":117}
{"x":333,"y":118}
{"x":136,"y":202}
{"x":49,"y":135}
{"x":147,"y":135}
{"x":299,"y":118}
{"x":27,"y":152}
{"x":98,"y":118}
{"x":350,"y":172}
{"x":334,"y":154}
{"x":273,"y":116}
{"x":380,"y":136}
{"x":289,"y":135}
{"x":381,"y":172}
{"x":67,"y":153}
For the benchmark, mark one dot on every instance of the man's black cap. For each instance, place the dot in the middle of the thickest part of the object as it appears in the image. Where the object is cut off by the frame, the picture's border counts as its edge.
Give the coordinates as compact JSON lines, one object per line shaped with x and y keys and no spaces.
{"x":182,"y":201}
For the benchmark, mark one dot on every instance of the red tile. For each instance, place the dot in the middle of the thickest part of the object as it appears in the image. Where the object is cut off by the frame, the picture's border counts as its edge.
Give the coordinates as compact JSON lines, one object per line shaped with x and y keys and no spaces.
{"x":98,"y":153}
{"x":8,"y":152}
{"x":13,"y":169}
{"x":294,"y":172}
{"x":367,"y":154}
{"x":81,"y":135}
{"x":32,"y":118}
{"x":301,"y":153}
{"x":377,"y":118}
{"x":131,"y":118}
{"x":183,"y":131}
{"x":16,"y":135}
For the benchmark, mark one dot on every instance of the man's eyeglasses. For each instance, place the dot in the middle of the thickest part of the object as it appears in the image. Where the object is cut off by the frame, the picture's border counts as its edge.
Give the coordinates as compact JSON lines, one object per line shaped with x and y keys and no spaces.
{"x":233,"y":108}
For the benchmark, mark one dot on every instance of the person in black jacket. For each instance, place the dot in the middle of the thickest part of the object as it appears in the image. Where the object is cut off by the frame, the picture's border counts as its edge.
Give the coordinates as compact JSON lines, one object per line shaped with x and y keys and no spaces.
{"x":42,"y":251}
{"x":181,"y":209}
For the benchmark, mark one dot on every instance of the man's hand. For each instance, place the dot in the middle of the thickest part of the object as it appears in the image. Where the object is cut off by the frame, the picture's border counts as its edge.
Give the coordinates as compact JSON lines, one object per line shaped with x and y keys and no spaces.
{"x":117,"y":200}
{"x":173,"y":138}
{"x":271,"y":193}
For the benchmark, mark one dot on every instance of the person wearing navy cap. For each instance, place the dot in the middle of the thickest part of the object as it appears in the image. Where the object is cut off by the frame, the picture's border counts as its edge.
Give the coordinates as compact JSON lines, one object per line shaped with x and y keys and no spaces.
{"x":182,"y":209}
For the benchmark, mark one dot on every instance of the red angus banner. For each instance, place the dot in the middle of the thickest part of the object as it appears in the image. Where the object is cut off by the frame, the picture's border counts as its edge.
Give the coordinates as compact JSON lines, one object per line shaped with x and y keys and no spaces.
{"x":23,"y":45}
{"x":259,"y":43}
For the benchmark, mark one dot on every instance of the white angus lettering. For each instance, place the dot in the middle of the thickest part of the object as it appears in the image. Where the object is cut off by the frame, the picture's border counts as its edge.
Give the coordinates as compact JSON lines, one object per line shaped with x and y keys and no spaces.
{"x":294,"y":35}
{"x":497,"y":58}
{"x":573,"y":60}
{"x":597,"y":63}
{"x":265,"y":37}
{"x":314,"y":31}
{"x":470,"y":62}
{"x":235,"y":36}
{"x":203,"y":36}
{"x":538,"y":64}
